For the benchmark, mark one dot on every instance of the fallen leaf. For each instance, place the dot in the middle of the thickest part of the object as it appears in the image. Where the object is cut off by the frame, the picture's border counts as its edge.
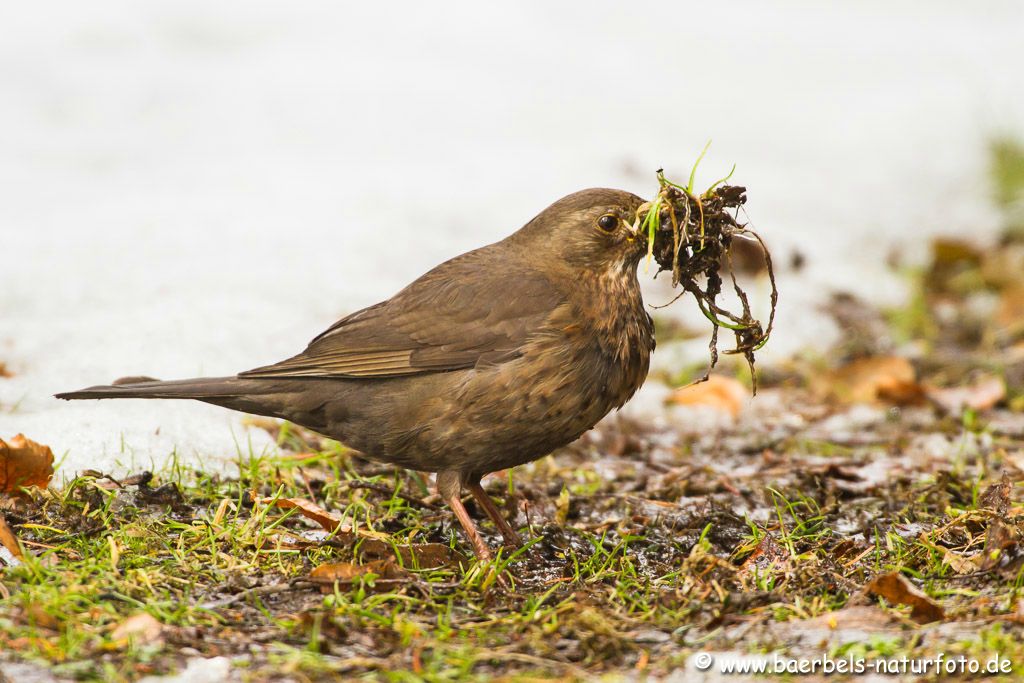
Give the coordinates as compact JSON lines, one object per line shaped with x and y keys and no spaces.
{"x":140,"y":629}
{"x":419,"y":555}
{"x":896,"y":589}
{"x":997,"y":496}
{"x":386,"y":573}
{"x":8,"y":539}
{"x":888,"y":379}
{"x":724,"y":394}
{"x":983,"y":393}
{"x":347,"y":571}
{"x":847,"y":549}
{"x":36,"y":615}
{"x":1000,"y":538}
{"x":24,"y":463}
{"x":310,"y":510}
{"x":4,"y":370}
{"x":961,"y":564}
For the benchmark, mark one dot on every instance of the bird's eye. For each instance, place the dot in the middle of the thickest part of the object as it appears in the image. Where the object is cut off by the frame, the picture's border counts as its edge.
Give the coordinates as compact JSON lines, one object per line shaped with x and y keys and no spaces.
{"x":608,"y":222}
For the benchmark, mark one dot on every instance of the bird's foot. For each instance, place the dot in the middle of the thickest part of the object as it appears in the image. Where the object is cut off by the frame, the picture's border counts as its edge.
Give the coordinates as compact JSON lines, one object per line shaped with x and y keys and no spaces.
{"x":512,"y":539}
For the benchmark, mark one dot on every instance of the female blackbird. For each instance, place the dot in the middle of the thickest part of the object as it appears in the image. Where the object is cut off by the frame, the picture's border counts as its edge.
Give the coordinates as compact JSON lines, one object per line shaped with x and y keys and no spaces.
{"x":490,"y":360}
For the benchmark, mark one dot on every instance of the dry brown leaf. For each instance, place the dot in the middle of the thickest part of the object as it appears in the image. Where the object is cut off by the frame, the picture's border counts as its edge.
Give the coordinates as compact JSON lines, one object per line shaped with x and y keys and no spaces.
{"x":847,"y":549}
{"x":896,"y":589}
{"x":996,"y":496}
{"x":725,"y":394}
{"x":981,"y":394}
{"x":140,"y":628}
{"x":35,"y":614}
{"x":310,"y":510}
{"x":889,"y":379}
{"x":999,"y":538}
{"x":387,"y":574}
{"x":421,"y":555}
{"x":961,"y":564}
{"x":5,"y":372}
{"x":8,"y":539}
{"x":24,"y":463}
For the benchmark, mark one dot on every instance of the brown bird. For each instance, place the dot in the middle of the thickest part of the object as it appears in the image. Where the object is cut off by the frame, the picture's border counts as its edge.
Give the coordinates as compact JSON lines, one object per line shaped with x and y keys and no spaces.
{"x":490,"y":360}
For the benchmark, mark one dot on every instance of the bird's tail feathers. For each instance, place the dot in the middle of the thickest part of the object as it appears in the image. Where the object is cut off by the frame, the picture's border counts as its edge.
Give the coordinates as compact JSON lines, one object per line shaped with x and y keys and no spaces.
{"x":147,"y":387}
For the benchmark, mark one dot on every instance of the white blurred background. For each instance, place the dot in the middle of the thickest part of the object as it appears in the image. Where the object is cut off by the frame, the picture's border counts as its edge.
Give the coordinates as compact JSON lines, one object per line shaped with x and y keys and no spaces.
{"x":200,"y":187}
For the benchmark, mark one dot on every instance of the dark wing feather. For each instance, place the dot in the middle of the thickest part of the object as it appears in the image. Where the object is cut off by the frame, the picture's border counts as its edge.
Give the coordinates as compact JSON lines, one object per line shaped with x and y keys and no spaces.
{"x":477,"y":308}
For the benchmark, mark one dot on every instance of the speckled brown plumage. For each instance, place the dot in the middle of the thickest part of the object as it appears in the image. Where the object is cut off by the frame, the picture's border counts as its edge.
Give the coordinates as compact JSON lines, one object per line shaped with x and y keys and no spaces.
{"x":490,"y":360}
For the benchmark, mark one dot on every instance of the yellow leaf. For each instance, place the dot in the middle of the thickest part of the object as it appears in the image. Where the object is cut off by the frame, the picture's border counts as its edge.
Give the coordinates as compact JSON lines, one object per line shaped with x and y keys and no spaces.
{"x":24,"y":463}
{"x":725,"y":394}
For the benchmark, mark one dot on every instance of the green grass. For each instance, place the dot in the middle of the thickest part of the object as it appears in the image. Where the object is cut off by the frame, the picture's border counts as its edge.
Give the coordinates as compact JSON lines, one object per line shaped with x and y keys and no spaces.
{"x":225,"y":576}
{"x":98,"y":555}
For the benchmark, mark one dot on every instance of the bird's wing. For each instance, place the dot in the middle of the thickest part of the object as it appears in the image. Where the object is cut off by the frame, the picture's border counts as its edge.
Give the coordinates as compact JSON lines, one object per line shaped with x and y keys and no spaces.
{"x":471,"y":310}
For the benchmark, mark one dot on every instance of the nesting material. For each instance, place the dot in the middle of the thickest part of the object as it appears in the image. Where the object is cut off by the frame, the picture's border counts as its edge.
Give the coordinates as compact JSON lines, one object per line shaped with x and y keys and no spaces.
{"x":693,"y":235}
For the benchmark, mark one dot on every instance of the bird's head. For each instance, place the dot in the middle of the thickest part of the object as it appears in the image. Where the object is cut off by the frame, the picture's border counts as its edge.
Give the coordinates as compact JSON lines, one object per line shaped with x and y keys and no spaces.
{"x":592,"y":229}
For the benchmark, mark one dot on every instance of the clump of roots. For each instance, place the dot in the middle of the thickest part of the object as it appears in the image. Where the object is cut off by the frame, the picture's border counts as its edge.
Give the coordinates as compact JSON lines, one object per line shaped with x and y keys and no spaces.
{"x":692,"y":235}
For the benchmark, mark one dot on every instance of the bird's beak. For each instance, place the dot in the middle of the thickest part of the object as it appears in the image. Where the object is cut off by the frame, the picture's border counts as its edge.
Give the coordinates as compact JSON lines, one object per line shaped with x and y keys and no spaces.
{"x":634,"y":227}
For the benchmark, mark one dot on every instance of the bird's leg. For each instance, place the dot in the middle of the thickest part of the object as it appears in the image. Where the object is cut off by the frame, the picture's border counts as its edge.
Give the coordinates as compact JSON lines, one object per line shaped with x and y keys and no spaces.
{"x":449,"y":485}
{"x":512,"y":539}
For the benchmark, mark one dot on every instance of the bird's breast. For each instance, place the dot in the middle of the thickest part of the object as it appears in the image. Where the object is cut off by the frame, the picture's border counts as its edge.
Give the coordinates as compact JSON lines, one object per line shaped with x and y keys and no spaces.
{"x":611,"y":338}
